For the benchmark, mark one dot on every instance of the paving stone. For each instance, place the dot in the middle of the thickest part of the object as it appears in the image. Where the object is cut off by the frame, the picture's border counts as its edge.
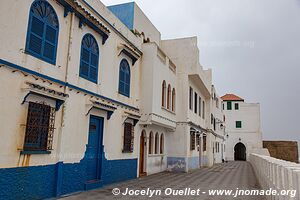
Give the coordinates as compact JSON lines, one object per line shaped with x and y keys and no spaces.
{"x":231,"y":175}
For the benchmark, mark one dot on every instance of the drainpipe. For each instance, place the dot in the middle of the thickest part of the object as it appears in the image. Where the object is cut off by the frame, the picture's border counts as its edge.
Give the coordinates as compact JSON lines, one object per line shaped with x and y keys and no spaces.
{"x":59,"y":167}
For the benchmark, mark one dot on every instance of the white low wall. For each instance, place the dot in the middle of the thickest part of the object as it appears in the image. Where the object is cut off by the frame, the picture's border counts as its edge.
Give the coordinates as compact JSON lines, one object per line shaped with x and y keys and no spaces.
{"x":276,"y":174}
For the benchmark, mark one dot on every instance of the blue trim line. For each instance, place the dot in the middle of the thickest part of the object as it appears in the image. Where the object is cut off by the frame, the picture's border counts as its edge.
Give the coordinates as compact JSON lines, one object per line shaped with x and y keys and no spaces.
{"x":3,"y":62}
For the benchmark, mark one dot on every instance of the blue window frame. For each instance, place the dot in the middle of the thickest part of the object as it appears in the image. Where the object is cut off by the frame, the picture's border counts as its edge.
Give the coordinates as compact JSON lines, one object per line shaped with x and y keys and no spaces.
{"x":42,"y":32}
{"x":124,"y":78}
{"x":89,"y":58}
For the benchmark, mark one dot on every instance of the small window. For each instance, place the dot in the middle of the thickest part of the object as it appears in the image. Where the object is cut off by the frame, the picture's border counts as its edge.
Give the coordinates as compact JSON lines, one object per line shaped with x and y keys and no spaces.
{"x":124,"y":78}
{"x":169,"y":97}
{"x":192,"y":141}
{"x":199,"y":106}
{"x":89,"y":58}
{"x":214,"y":123}
{"x":204,"y":143}
{"x":39,"y":127}
{"x":191,"y":98}
{"x":128,"y":138}
{"x":163,"y":95}
{"x":198,"y":141}
{"x":42,"y":33}
{"x":196,"y":103}
{"x":223,"y":105}
{"x":238,"y":124}
{"x":161,"y":143}
{"x":229,"y":105}
{"x":203,"y":110}
{"x":151,"y":143}
{"x":236,"y":106}
{"x":173,"y":100}
{"x":156,"y":143}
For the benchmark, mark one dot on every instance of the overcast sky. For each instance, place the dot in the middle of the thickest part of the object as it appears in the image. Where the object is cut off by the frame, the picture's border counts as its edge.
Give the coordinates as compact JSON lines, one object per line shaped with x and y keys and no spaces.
{"x":253,"y":47}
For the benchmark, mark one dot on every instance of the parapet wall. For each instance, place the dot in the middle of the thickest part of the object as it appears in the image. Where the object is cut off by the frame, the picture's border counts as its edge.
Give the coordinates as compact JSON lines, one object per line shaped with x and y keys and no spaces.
{"x":285,"y":150}
{"x":276,"y":174}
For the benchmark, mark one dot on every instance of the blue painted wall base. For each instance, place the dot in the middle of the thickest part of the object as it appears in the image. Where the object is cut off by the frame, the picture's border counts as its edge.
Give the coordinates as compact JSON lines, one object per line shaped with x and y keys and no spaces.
{"x":40,"y":182}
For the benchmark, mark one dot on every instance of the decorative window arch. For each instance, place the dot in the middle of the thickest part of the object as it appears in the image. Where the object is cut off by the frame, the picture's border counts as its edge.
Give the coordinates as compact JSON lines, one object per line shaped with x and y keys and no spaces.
{"x":124,"y":78}
{"x":162,"y":143}
{"x":151,"y":142}
{"x":89,"y":58}
{"x":163,"y":95}
{"x":169,"y":97}
{"x":156,"y":143}
{"x":173,"y":99}
{"x":42,"y":31}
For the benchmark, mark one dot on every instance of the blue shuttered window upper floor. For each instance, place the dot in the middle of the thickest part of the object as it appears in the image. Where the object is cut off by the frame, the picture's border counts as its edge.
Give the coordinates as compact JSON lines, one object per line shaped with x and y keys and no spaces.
{"x":42,"y":33}
{"x":89,"y":58}
{"x":124,"y":78}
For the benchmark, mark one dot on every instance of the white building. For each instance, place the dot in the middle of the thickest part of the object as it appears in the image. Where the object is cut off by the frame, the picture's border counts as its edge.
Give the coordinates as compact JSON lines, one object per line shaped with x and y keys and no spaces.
{"x":91,"y":95}
{"x":243,"y":128}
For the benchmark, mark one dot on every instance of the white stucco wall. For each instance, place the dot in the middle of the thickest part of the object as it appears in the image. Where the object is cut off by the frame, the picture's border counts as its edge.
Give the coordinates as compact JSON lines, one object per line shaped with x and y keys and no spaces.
{"x":250,"y":133}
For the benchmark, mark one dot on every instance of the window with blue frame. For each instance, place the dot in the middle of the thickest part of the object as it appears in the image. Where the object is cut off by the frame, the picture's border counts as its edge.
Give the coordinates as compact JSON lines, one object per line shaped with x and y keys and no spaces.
{"x":89,"y":58}
{"x":42,"y":33}
{"x":124,"y":78}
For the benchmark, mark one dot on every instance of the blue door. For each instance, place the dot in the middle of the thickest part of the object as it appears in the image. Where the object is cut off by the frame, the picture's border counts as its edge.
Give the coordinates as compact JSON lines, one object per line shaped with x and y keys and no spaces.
{"x":94,"y":149}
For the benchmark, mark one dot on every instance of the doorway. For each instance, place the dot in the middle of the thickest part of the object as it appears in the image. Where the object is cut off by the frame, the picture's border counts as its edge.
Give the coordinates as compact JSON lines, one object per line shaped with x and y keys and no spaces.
{"x":240,"y":152}
{"x":143,"y":143}
{"x":94,"y":149}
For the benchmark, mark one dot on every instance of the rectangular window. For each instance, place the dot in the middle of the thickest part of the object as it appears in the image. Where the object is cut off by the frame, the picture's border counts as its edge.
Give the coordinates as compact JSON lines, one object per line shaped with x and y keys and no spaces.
{"x":196,"y":103}
{"x":198,"y":141}
{"x":199,"y":106}
{"x":204,"y":143}
{"x":191,"y":98}
{"x":238,"y":124}
{"x":236,"y":106}
{"x":223,"y":105}
{"x":214,"y":123}
{"x":229,"y":105}
{"x":192,"y":141}
{"x":128,"y":137}
{"x":39,"y":127}
{"x":203,"y":110}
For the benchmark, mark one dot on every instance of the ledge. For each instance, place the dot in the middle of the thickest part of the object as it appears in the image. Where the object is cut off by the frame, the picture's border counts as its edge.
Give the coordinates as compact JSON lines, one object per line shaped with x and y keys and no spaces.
{"x":168,"y":110}
{"x":25,"y":152}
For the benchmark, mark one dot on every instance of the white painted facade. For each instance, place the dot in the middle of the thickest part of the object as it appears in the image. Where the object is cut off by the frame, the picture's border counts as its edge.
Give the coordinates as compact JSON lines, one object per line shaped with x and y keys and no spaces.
{"x":176,"y":115}
{"x":249,"y":134}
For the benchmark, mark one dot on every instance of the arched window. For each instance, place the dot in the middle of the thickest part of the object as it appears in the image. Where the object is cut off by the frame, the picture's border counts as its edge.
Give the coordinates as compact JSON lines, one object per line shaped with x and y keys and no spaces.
{"x":124,"y":78}
{"x":89,"y":58}
{"x":169,"y":97}
{"x":151,"y":143}
{"x":162,"y":143}
{"x":173,"y":99}
{"x":42,"y":33}
{"x":163,"y":95}
{"x":156,"y":143}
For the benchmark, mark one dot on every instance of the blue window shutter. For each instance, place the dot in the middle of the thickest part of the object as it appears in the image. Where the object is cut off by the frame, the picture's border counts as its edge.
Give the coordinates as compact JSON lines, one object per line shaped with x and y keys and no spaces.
{"x":35,"y":44}
{"x":37,"y":26}
{"x":89,"y":58}
{"x":42,"y":33}
{"x":84,"y":69}
{"x":124,"y":78}
{"x":49,"y":50}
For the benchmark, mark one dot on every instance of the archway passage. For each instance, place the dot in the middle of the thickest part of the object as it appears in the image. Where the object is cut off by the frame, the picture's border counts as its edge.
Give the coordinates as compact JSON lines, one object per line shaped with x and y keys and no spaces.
{"x":240,"y":152}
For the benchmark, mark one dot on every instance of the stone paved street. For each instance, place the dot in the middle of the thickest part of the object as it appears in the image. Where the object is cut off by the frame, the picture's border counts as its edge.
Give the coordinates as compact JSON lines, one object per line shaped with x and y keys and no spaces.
{"x":230,"y":175}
